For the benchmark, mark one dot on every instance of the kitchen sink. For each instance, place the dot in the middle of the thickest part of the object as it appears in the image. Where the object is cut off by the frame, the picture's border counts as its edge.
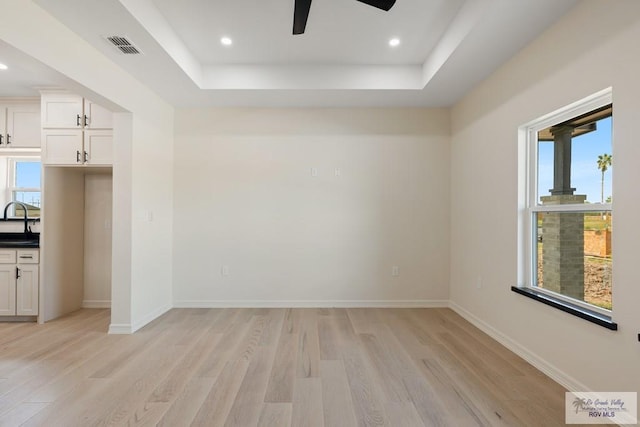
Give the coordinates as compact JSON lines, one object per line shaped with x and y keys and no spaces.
{"x":19,"y":240}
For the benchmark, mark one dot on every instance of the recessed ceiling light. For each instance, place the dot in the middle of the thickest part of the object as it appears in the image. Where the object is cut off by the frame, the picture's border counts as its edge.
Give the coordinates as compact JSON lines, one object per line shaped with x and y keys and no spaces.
{"x":394,"y":42}
{"x":226,"y":41}
{"x":3,"y":67}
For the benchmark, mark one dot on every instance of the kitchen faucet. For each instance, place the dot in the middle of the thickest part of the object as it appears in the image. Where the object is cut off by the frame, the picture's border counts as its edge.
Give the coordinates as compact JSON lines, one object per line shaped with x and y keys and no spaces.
{"x":24,"y":207}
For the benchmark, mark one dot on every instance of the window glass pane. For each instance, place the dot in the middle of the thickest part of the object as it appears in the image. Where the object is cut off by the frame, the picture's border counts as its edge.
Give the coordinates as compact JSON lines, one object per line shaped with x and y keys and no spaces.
{"x":545,"y":168}
{"x":586,"y":172}
{"x":588,"y":146}
{"x":28,"y":174}
{"x":573,"y":255}
{"x":30,"y":198}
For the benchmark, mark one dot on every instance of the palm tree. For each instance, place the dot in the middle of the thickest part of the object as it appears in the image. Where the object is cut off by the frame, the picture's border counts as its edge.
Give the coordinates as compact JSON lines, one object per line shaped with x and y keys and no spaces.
{"x":604,"y":161}
{"x":579,"y":404}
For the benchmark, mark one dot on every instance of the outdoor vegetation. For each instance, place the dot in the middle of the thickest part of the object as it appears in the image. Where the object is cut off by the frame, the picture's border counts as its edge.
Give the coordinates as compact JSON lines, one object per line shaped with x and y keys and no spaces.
{"x":597,"y":267}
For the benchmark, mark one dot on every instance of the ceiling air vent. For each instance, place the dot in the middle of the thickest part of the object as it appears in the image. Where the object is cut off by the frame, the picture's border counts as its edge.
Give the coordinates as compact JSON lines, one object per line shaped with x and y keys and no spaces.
{"x":124,"y":45}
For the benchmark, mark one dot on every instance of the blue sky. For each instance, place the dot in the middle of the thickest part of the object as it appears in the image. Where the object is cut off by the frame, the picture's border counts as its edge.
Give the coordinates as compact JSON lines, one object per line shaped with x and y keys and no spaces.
{"x":28,"y":176}
{"x":585,"y":175}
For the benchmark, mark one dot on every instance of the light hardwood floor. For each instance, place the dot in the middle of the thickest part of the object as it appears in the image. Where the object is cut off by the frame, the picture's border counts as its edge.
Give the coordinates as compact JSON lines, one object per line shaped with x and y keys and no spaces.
{"x":270,"y":367}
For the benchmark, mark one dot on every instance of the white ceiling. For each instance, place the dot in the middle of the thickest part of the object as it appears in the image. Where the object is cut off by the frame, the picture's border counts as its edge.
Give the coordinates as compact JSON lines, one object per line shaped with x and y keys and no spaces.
{"x":345,"y":32}
{"x":25,"y":75}
{"x":343,"y":59}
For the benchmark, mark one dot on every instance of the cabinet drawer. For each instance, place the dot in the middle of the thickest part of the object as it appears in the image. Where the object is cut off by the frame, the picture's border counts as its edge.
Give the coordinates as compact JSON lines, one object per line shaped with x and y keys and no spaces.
{"x":7,"y":256}
{"x":28,"y":256}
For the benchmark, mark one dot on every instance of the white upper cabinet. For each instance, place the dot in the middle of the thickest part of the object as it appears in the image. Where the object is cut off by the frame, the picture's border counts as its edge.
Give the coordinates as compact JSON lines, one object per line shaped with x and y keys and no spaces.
{"x":68,"y":111}
{"x":96,"y":116}
{"x":75,"y":131}
{"x":98,"y":147}
{"x":62,"y":111}
{"x":63,"y":147}
{"x":19,"y":125}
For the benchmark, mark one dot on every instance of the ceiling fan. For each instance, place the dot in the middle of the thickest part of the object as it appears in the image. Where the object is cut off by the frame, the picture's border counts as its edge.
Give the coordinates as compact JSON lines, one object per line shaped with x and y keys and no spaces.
{"x":301,"y":11}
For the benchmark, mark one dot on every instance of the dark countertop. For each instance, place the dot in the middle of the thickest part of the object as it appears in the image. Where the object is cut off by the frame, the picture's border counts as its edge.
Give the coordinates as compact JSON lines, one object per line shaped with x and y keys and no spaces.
{"x":20,"y":240}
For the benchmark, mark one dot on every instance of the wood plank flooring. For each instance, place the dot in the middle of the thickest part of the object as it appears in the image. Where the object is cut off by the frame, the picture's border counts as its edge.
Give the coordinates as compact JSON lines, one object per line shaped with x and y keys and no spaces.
{"x":270,"y":367}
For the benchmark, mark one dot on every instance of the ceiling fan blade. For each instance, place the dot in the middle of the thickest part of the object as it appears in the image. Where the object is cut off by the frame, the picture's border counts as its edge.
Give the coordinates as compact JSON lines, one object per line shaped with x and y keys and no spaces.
{"x":300,"y":15}
{"x":380,"y":4}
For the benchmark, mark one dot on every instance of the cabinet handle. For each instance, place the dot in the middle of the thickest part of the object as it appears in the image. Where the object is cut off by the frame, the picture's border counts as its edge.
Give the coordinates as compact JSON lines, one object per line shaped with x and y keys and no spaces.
{"x":26,"y":256}
{"x":86,"y":157}
{"x":18,"y":275}
{"x":8,"y":139}
{"x":78,"y":156}
{"x":86,"y":121}
{"x":0,"y":139}
{"x":77,"y":119}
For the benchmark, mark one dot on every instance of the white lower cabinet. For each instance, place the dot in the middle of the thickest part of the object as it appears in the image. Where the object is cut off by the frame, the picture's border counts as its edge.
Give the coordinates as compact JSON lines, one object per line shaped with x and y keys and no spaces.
{"x":19,"y":282}
{"x":27,"y":290}
{"x":7,"y":290}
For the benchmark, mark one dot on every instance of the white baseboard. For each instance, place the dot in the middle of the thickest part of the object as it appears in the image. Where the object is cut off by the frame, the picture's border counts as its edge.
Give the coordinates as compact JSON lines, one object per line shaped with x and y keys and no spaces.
{"x":149,"y":317}
{"x":310,"y":303}
{"x":542,"y":365}
{"x":120,"y":329}
{"x":130,"y":328}
{"x":96,"y":303}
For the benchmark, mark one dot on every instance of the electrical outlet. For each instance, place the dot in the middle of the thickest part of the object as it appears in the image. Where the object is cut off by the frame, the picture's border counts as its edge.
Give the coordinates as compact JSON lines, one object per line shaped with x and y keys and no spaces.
{"x":146,"y":215}
{"x":337,"y":172}
{"x":395,"y":271}
{"x":314,"y":171}
{"x":224,"y":271}
{"x":479,"y":283}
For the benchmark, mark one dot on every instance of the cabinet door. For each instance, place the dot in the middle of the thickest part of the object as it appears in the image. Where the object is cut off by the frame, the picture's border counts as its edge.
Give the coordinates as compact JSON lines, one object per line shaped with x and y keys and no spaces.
{"x":97,"y":117}
{"x":3,"y":125}
{"x":98,"y":144}
{"x":23,"y":126}
{"x":62,"y":147}
{"x":27,"y":290}
{"x":61,"y":111}
{"x":7,"y":290}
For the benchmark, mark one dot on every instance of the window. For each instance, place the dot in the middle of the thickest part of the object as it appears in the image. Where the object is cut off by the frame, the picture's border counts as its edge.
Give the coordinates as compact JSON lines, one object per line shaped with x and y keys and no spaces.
{"x":24,"y":185}
{"x":566,"y":207}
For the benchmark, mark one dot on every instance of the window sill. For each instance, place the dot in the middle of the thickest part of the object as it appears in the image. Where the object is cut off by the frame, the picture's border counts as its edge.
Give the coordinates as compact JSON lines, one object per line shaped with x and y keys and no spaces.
{"x":567,"y":307}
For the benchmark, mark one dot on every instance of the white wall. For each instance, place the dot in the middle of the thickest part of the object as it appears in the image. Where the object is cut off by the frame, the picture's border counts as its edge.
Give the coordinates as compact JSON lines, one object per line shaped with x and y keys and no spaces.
{"x":98,"y":210}
{"x":142,"y":179}
{"x":152,"y":222}
{"x":595,"y":46}
{"x":62,"y":252}
{"x":245,"y":198}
